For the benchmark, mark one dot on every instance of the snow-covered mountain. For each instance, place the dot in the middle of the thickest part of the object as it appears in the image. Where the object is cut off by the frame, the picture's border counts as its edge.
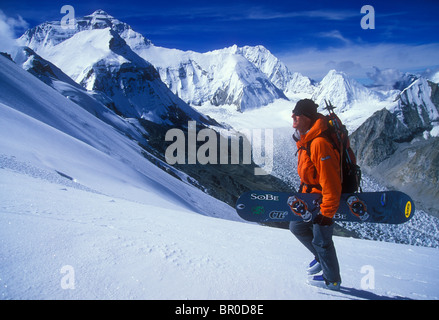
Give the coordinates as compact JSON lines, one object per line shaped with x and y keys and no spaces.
{"x":417,"y":109}
{"x":248,"y":77}
{"x":150,"y":135}
{"x":49,"y":34}
{"x":342,"y":91}
{"x":100,"y":60}
{"x":219,"y":77}
{"x":293,"y":84}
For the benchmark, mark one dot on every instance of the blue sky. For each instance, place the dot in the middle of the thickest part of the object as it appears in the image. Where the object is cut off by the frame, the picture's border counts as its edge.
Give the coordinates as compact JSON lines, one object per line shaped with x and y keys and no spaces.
{"x":311,"y":37}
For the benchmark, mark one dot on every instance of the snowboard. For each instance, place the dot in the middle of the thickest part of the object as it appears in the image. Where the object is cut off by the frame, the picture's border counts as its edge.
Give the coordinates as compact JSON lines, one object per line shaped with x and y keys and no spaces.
{"x":390,"y":207}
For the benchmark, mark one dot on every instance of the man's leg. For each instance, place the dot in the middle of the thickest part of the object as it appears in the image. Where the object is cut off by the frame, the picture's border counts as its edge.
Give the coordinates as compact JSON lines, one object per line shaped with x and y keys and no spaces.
{"x":304,"y":233}
{"x":325,"y":249}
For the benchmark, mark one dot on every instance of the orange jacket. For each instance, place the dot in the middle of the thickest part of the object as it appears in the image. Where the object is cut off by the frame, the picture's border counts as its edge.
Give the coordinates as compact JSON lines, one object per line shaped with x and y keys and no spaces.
{"x":322,"y":167}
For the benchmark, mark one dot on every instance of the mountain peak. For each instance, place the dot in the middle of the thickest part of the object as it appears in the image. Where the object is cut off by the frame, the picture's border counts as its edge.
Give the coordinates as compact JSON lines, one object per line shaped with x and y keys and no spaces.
{"x":100,"y":13}
{"x":334,"y":74}
{"x":101,"y":19}
{"x":50,"y":34}
{"x":342,"y":91}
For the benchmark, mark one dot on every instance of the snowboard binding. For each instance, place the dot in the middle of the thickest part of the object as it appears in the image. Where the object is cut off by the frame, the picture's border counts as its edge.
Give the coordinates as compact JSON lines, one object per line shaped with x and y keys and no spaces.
{"x":299,"y":207}
{"x":357,"y":207}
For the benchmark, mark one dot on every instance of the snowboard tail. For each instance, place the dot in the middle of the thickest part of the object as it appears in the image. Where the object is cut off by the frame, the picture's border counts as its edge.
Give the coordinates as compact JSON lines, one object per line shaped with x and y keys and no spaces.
{"x":390,"y":207}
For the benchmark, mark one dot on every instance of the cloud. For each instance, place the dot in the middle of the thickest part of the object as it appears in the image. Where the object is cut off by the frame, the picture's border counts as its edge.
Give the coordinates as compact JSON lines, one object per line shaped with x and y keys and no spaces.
{"x":432,"y":74}
{"x":386,"y":77}
{"x":242,"y":11}
{"x":346,"y":66}
{"x":267,"y":14}
{"x":334,"y":34}
{"x":357,"y":60}
{"x":8,"y":26}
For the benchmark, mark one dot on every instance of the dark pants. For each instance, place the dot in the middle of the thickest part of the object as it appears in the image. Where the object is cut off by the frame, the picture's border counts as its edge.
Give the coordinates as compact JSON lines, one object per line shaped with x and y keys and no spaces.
{"x":318,"y":240}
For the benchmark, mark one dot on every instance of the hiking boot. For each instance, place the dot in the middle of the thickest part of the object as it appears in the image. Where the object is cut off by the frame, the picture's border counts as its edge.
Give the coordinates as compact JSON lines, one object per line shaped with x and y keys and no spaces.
{"x":314,"y":267}
{"x":321,"y":282}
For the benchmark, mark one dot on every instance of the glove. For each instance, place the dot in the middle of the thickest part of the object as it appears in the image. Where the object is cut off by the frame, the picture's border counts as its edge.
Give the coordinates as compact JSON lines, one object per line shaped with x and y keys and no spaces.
{"x":322,"y":220}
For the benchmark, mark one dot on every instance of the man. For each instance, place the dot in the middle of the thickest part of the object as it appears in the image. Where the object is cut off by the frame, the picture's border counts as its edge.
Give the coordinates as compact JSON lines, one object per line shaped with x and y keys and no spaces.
{"x":319,"y":172}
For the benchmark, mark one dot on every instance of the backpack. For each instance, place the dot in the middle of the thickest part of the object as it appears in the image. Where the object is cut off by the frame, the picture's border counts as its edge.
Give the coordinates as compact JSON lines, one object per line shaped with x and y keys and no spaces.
{"x":338,"y":136}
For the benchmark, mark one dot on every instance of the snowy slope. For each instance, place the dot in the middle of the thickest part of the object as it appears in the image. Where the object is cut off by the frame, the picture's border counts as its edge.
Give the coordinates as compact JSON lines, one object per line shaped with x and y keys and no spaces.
{"x":119,"y":249}
{"x":95,"y":103}
{"x":45,"y":114}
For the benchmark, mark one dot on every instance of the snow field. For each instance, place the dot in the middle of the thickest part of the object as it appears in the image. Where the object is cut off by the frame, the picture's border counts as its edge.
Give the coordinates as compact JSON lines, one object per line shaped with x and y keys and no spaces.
{"x":120,"y":249}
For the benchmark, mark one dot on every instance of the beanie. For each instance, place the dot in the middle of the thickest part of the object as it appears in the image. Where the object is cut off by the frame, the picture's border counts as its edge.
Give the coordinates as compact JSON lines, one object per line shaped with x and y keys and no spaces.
{"x":307,"y":108}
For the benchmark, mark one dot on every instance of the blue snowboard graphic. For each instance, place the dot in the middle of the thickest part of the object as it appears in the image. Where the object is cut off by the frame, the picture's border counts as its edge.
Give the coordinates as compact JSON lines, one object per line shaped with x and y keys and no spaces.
{"x":391,"y":207}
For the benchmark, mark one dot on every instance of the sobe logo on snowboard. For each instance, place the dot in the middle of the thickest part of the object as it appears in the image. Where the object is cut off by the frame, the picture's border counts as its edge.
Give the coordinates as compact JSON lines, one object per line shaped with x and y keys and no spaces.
{"x":266,"y":197}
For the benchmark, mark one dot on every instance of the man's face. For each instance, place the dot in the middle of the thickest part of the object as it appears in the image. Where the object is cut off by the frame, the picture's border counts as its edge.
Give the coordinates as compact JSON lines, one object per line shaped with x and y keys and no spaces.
{"x":301,"y":123}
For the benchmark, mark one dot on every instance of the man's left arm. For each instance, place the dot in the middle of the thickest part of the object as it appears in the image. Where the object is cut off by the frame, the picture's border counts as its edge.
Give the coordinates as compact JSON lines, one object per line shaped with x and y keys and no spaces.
{"x":327,"y":162}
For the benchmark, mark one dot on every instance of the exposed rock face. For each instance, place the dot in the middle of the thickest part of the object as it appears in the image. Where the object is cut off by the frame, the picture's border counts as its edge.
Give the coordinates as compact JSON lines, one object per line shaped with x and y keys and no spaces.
{"x":399,"y":148}
{"x":223,"y":181}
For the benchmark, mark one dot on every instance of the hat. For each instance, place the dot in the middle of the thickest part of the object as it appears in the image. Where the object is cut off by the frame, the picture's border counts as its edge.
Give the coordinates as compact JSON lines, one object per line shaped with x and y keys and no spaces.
{"x":307,"y":108}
